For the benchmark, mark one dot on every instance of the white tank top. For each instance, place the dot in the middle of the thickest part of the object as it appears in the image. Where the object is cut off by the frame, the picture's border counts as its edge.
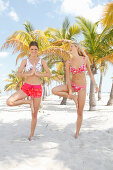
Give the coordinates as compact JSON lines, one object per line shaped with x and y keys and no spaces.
{"x":29,"y":66}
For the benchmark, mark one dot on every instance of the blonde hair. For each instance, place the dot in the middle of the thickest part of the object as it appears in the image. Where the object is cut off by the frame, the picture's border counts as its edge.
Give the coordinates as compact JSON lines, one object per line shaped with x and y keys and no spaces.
{"x":81,"y":52}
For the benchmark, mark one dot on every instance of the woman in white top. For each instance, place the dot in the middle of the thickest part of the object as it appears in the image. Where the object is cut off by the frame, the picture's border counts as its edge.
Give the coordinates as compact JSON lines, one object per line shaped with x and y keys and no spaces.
{"x":30,"y":69}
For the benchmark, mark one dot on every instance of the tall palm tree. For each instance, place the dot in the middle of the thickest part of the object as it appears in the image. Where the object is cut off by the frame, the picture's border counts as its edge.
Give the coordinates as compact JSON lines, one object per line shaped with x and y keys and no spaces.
{"x":107,"y":21}
{"x":97,"y":48}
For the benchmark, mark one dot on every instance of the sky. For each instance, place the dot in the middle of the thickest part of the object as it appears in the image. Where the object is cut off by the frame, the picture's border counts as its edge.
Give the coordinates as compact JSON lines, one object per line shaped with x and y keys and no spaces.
{"x":43,"y":14}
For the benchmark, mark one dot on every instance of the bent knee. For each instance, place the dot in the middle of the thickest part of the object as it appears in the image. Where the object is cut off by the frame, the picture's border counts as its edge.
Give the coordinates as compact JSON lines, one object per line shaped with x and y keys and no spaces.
{"x":9,"y":102}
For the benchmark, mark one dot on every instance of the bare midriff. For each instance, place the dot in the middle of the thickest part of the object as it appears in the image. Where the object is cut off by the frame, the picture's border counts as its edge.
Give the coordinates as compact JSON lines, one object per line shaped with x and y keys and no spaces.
{"x":79,"y":79}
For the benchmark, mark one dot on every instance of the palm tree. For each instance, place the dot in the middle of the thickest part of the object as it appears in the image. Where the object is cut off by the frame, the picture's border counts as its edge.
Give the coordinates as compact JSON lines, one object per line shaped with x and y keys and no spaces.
{"x":107,"y":21}
{"x":20,"y":40}
{"x":110,"y":101}
{"x":97,"y":48}
{"x":15,"y":82}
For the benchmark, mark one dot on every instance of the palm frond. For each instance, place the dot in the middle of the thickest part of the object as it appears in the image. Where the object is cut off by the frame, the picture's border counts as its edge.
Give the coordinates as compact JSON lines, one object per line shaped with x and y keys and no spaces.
{"x":65,"y":27}
{"x":28,"y":26}
{"x":56,"y":51}
{"x":73,"y":31}
{"x":40,"y":37}
{"x":107,"y":19}
{"x":55,"y":32}
{"x":89,"y":31}
{"x":51,"y":37}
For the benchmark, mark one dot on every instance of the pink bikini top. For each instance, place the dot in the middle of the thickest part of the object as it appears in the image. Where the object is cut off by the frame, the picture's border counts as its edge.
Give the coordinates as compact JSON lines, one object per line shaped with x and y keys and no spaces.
{"x":81,"y":69}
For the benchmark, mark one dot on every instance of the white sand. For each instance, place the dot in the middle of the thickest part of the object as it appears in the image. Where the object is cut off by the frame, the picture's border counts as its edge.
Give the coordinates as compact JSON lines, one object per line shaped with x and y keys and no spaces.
{"x":54,"y":146}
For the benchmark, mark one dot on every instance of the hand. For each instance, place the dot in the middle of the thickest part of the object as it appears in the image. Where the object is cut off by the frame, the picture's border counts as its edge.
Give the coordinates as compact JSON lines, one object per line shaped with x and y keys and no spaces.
{"x":33,"y":70}
{"x":37,"y":73}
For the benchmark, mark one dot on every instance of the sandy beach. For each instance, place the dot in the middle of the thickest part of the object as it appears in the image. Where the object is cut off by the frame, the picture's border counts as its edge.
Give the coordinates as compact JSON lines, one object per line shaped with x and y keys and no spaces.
{"x":54,"y":146}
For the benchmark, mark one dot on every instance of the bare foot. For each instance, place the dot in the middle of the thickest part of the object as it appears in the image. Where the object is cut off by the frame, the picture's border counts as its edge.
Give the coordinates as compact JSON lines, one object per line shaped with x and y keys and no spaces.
{"x":31,"y":105}
{"x":29,"y":138}
{"x":76,"y":135}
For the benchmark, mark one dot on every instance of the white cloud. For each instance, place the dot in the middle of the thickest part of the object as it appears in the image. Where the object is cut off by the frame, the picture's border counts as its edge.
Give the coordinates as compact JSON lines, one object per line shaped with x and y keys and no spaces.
{"x":83,"y":8}
{"x":3,"y":5}
{"x":14,"y":15}
{"x":32,"y":1}
{"x":3,"y":54}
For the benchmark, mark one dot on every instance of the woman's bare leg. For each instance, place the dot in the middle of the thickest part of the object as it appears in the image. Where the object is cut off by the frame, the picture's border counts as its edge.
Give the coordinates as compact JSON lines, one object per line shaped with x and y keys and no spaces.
{"x":63,"y":91}
{"x":36,"y":104}
{"x":81,"y":103}
{"x":17,"y":98}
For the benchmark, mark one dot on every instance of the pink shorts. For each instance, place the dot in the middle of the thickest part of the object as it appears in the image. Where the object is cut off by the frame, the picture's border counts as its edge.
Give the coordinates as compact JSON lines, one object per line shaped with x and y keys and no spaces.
{"x":32,"y":90}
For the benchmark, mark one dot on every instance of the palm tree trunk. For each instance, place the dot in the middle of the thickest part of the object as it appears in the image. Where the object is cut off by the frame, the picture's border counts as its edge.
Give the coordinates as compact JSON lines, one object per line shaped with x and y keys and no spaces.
{"x":46,"y":93}
{"x":110,"y":101}
{"x":92,"y":100}
{"x":63,"y":102}
{"x":100,"y":85}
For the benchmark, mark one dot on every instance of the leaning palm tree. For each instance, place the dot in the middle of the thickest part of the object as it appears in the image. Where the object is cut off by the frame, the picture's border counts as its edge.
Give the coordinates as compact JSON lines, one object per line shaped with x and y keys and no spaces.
{"x":97,"y":48}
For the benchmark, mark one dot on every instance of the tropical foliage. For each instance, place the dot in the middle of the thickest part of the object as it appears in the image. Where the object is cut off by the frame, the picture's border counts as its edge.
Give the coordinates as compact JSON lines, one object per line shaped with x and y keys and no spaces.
{"x":54,"y":44}
{"x":14,"y":82}
{"x":98,"y":47}
{"x":107,"y":19}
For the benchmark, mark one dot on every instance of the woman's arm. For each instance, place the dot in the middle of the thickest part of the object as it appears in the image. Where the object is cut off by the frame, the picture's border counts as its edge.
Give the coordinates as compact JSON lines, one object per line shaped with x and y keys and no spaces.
{"x":20,"y":72}
{"x":47,"y":74}
{"x":90,"y":73}
{"x":68,"y":77}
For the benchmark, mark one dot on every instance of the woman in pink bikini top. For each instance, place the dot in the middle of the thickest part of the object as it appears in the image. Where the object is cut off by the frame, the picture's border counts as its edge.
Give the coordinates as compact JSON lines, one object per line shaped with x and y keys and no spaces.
{"x":82,"y":68}
{"x":76,"y":67}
